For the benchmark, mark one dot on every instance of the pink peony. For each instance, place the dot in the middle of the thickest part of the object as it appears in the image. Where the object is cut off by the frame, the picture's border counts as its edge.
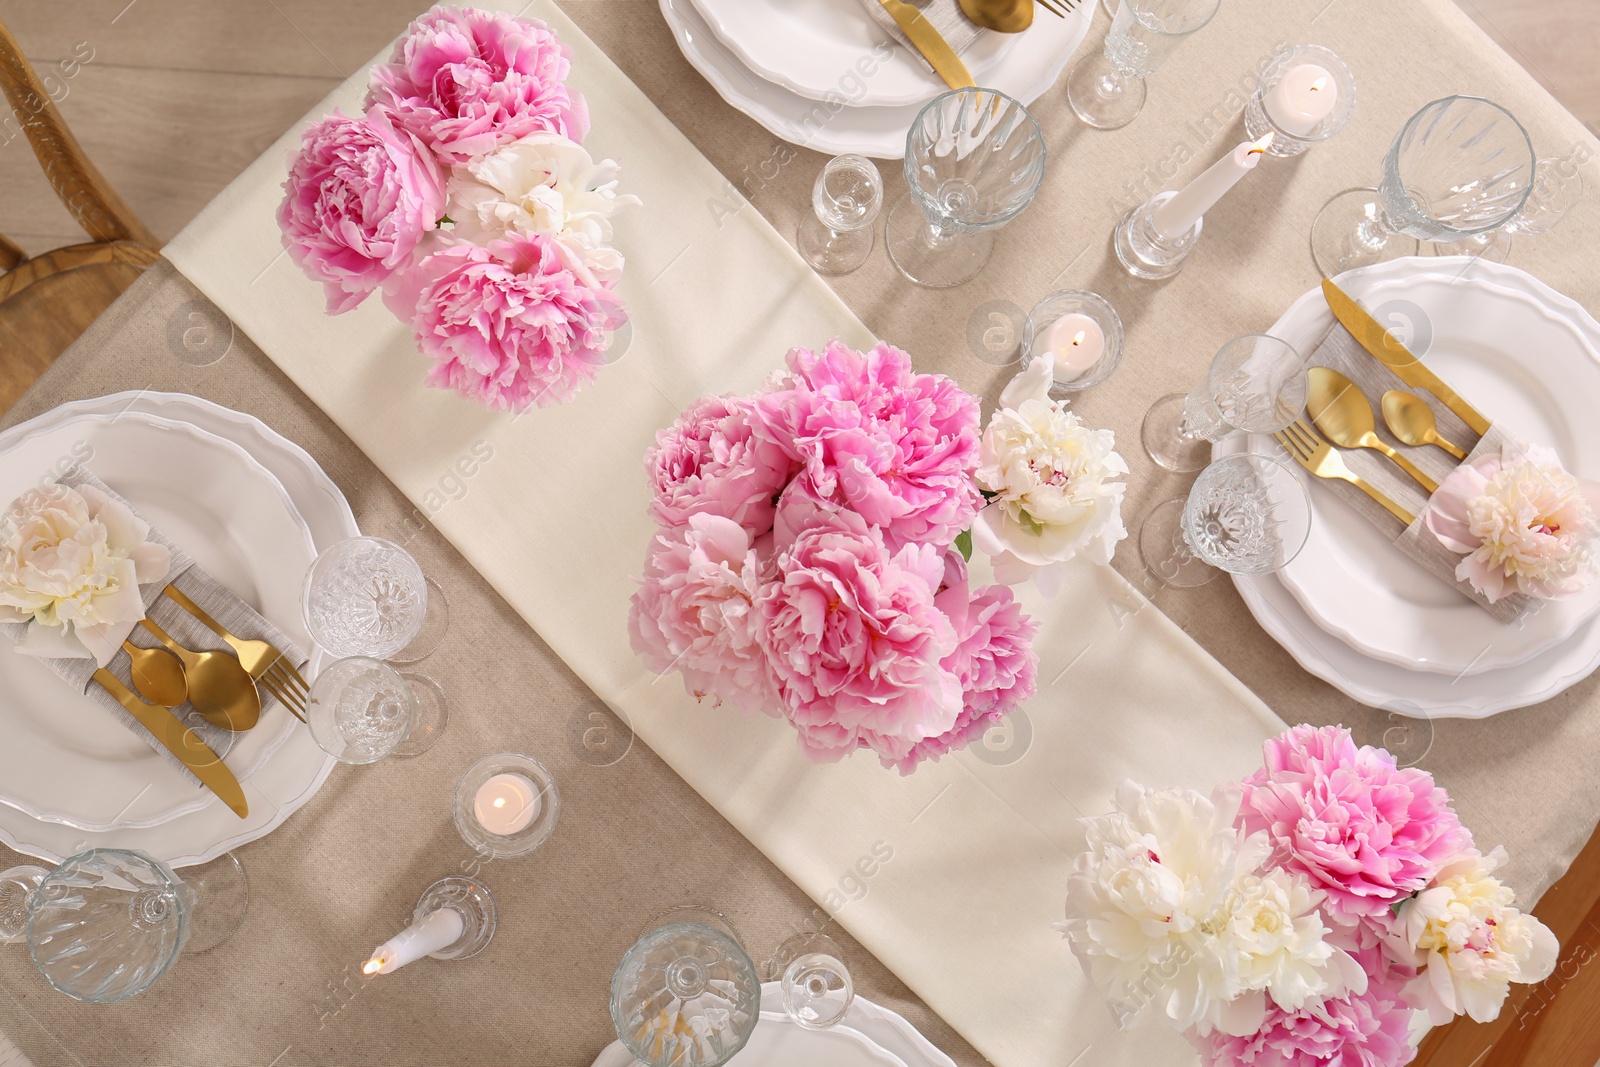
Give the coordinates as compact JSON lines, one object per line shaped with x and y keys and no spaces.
{"x":1364,"y":830}
{"x":713,"y":461}
{"x":896,"y":447}
{"x":695,"y":613}
{"x":508,"y":323}
{"x":359,"y":196}
{"x":855,"y":641}
{"x":1360,"y":1030}
{"x":467,"y":82}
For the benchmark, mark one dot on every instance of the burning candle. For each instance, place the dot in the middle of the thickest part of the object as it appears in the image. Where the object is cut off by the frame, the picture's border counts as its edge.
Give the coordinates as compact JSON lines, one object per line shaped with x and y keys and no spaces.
{"x":1303,"y":97}
{"x":436,"y":931}
{"x":1178,"y":215}
{"x":506,"y":804}
{"x":1077,"y":342}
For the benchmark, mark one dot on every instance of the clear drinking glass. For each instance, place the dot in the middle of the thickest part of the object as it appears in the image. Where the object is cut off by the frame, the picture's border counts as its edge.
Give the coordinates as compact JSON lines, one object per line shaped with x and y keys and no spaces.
{"x":837,"y":236}
{"x":362,"y":710}
{"x":368,"y":597}
{"x":1246,"y":514}
{"x":817,"y":990}
{"x":1461,"y":166}
{"x":1557,"y":187}
{"x":1107,"y":88}
{"x":1256,"y":383}
{"x":974,"y":161}
{"x":16,"y":890}
{"x":686,"y":993}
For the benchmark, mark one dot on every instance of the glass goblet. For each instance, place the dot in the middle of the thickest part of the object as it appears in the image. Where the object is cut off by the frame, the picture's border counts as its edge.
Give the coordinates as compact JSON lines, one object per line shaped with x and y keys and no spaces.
{"x":1245,"y":514}
{"x":362,"y":710}
{"x":367,"y":597}
{"x":16,"y":890}
{"x":1107,"y":88}
{"x":1557,"y":187}
{"x":686,"y":993}
{"x":816,"y":984}
{"x":838,"y":235}
{"x":1256,"y":383}
{"x":974,"y":161}
{"x":1461,"y":166}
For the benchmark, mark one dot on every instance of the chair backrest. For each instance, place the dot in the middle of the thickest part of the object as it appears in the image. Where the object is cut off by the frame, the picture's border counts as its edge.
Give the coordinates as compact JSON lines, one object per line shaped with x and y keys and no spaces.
{"x":117,"y":234}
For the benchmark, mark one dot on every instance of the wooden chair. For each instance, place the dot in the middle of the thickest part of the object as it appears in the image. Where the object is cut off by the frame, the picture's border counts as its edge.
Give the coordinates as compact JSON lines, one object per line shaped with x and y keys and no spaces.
{"x":47,"y":301}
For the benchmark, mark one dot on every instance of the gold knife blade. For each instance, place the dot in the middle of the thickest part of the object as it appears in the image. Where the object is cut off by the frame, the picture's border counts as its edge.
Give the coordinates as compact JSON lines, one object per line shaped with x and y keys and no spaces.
{"x":934,"y":48}
{"x":1387,"y":349}
{"x":181,"y":741}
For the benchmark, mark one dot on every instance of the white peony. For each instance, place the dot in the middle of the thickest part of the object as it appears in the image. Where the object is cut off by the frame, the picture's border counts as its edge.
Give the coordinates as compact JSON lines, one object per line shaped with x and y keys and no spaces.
{"x":1050,"y":484}
{"x":1469,"y":940}
{"x":544,"y":185}
{"x":75,"y":559}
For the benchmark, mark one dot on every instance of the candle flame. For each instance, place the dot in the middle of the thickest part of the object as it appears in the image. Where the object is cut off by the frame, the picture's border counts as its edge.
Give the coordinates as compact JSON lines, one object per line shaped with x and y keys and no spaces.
{"x":1318,"y":85}
{"x":1261,"y":146}
{"x":1078,"y":338}
{"x":373,"y":966}
{"x":499,"y":802}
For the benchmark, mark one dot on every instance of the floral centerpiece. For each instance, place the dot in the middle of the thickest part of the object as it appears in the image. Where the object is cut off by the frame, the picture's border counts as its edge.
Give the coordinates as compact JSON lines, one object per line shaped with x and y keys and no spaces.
{"x":464,"y":193}
{"x":1299,"y":917}
{"x":812,"y":557}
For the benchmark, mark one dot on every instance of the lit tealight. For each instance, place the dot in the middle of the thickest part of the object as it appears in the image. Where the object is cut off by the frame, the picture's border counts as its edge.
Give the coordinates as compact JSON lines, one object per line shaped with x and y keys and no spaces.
{"x":507,"y":804}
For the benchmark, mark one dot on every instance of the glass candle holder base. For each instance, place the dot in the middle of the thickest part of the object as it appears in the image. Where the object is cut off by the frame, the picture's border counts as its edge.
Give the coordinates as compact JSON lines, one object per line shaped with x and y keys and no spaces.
{"x":473,"y":900}
{"x":1144,"y":251}
{"x":1167,"y":440}
{"x":1165,"y":551}
{"x":932,"y":257}
{"x":483,"y":818}
{"x":1349,"y":233}
{"x":1102,"y":95}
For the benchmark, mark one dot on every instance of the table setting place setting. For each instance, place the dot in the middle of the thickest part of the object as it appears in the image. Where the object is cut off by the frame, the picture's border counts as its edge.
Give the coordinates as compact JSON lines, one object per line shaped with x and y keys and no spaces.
{"x":758,"y":538}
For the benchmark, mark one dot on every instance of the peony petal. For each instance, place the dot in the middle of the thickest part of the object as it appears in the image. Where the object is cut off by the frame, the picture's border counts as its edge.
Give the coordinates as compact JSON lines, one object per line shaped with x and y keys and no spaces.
{"x":152,"y":562}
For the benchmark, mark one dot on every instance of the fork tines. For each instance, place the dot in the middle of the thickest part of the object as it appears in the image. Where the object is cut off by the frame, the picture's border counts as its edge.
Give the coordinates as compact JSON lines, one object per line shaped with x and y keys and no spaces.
{"x":1058,"y":8}
{"x":286,"y":684}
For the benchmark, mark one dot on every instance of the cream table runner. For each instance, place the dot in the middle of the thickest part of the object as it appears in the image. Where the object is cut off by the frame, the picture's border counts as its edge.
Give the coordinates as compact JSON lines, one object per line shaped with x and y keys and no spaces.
{"x":556,"y":522}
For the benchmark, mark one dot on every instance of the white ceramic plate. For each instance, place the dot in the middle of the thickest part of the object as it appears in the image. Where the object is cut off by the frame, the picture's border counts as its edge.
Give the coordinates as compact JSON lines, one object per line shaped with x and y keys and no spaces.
{"x":817,"y":48}
{"x":1032,"y":66}
{"x":1530,"y":358}
{"x":291,"y":774}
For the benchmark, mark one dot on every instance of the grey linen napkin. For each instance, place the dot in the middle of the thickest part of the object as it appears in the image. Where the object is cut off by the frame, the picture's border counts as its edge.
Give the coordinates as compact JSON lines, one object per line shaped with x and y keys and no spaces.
{"x":1340,"y":351}
{"x":958,"y":31}
{"x":216,"y":599}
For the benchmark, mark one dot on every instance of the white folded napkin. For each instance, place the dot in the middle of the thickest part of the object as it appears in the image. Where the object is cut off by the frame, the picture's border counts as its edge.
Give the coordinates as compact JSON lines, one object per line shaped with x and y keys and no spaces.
{"x":958,"y":31}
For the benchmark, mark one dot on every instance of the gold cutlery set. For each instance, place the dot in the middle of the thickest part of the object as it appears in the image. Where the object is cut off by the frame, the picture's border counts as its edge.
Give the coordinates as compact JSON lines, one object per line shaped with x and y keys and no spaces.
{"x":1342,"y":417}
{"x":221,"y":687}
{"x":1005,"y":16}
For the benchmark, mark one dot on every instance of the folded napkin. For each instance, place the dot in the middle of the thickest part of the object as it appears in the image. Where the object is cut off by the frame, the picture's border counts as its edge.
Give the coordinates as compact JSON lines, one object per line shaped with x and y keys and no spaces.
{"x":958,"y":31}
{"x":1342,"y":352}
{"x":215,"y":598}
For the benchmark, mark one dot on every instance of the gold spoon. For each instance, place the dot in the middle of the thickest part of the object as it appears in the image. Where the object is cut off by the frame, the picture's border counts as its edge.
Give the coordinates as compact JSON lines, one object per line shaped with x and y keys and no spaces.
{"x":1411,"y":421}
{"x":219,"y":688}
{"x":1006,"y":16}
{"x":157,"y":675}
{"x":1345,"y":417}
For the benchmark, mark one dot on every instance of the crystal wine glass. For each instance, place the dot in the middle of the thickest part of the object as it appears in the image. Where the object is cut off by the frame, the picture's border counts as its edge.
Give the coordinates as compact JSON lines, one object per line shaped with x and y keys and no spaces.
{"x":1462,"y":166}
{"x":16,"y":890}
{"x":974,"y":161}
{"x":1557,"y":187}
{"x":817,"y":990}
{"x":837,"y":236}
{"x":368,"y":597}
{"x":1107,"y":88}
{"x":686,"y":993}
{"x":362,"y":710}
{"x":1245,"y":514}
{"x":1256,"y":383}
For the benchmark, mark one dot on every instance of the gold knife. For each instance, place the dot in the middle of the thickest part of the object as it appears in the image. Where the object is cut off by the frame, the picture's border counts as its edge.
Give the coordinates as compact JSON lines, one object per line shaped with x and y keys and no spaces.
{"x":181,"y":741}
{"x":934,"y":48}
{"x":1388,"y":350}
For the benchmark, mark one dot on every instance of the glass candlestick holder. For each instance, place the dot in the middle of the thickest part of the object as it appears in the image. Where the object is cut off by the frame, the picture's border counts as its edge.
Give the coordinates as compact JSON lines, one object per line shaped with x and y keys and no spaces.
{"x":1146,"y":252}
{"x":506,"y":805}
{"x":1303,"y":96}
{"x":473,"y":900}
{"x":1060,"y":322}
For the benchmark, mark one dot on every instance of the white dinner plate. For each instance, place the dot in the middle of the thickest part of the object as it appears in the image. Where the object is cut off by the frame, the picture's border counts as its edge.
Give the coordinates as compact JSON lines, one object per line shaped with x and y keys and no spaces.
{"x":1530,"y":359}
{"x":291,"y":773}
{"x":1032,"y":66}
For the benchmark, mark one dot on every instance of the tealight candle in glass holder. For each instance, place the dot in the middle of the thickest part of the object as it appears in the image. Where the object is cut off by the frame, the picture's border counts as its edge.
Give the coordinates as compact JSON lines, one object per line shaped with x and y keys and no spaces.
{"x":506,"y":805}
{"x":1082,"y":331}
{"x":1304,"y":95}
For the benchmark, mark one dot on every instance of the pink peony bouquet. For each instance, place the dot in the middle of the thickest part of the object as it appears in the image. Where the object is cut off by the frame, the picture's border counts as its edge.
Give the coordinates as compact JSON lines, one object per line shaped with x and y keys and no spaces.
{"x":1301,"y":917}
{"x":463,"y":192}
{"x":811,"y":560}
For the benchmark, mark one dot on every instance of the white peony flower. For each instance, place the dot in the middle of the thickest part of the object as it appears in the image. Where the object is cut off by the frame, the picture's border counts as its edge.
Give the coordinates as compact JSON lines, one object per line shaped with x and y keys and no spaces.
{"x":71,"y":558}
{"x":544,"y":185}
{"x":1469,"y":940}
{"x":1050,"y":483}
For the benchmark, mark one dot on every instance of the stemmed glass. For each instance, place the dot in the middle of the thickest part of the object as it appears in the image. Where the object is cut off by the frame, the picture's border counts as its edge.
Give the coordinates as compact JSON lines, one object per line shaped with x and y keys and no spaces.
{"x":1246,"y":514}
{"x":1107,"y":88}
{"x":837,"y":236}
{"x":1557,"y":187}
{"x":1256,"y":383}
{"x":16,"y":890}
{"x":816,"y":984}
{"x":974,"y":161}
{"x":367,"y":597}
{"x":362,"y":710}
{"x":1461,"y":166}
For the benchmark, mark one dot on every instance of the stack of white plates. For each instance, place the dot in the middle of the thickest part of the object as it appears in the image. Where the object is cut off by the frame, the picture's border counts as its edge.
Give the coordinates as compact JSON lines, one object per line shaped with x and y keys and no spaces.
{"x":253,"y":509}
{"x":1359,"y":614}
{"x":822,"y":75}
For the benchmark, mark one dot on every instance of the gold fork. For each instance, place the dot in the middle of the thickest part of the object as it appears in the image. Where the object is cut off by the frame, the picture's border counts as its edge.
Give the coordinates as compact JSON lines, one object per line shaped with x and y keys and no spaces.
{"x":1323,"y":460}
{"x":1058,"y":8}
{"x":260,"y":660}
